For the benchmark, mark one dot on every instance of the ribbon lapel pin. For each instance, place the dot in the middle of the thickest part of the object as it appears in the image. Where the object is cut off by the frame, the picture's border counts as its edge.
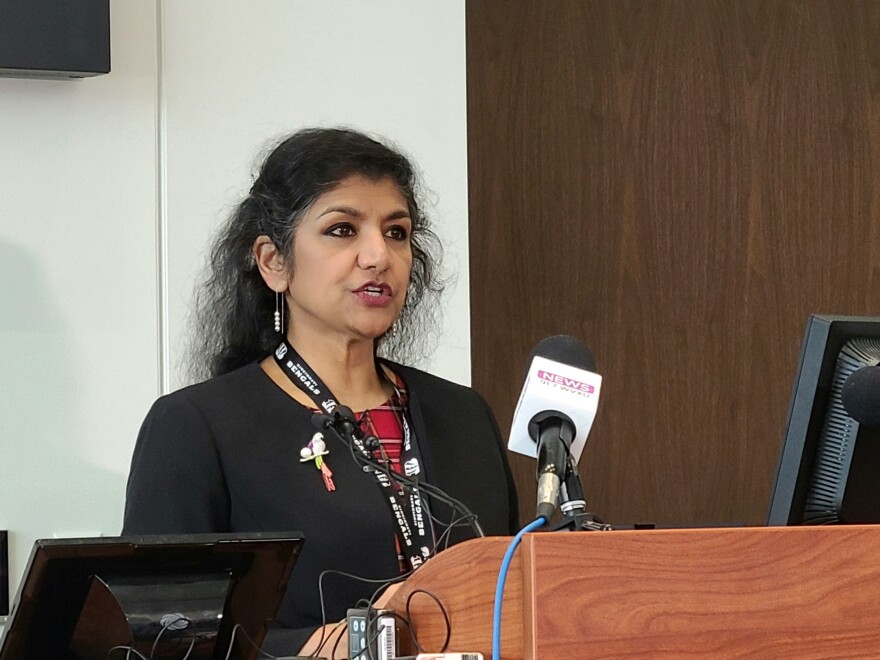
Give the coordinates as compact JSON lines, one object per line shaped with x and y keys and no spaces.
{"x":315,"y":451}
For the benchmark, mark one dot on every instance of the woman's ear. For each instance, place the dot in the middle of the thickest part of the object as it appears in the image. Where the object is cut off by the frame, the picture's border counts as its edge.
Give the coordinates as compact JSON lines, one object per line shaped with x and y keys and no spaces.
{"x":271,"y":264}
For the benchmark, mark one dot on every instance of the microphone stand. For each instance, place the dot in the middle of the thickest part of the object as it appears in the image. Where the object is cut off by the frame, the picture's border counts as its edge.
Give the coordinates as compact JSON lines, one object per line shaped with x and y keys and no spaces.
{"x":573,"y":505}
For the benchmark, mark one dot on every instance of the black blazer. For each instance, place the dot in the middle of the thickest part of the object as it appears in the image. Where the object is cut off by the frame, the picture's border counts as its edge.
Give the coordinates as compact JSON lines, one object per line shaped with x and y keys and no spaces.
{"x":223,"y":456}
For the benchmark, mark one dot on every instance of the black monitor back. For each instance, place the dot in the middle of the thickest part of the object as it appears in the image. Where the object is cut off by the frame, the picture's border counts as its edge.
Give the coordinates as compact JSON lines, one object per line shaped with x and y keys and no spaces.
{"x":81,"y":597}
{"x":827,"y":468}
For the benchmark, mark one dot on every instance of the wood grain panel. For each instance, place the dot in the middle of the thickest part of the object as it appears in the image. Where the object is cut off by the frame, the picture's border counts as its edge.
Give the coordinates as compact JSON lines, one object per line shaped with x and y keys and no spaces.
{"x":756,"y":593}
{"x":464,"y":582}
{"x":762,"y":592}
{"x":679,"y":184}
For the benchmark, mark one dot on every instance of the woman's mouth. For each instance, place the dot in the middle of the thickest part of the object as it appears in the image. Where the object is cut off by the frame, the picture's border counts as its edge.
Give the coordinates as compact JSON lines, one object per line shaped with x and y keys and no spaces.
{"x":374,"y":294}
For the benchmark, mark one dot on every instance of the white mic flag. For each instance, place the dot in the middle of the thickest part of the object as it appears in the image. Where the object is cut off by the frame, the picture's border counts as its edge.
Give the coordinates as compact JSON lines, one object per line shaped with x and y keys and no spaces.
{"x":551,"y":385}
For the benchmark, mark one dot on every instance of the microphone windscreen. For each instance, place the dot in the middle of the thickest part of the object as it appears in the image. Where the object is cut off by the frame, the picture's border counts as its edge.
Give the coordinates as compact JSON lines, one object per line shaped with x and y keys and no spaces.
{"x":344,"y":412}
{"x":861,"y":396}
{"x":565,"y":349}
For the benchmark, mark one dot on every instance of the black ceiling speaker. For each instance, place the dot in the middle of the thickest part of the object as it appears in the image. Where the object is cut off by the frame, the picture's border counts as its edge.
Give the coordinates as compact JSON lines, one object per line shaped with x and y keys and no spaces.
{"x":54,"y":38}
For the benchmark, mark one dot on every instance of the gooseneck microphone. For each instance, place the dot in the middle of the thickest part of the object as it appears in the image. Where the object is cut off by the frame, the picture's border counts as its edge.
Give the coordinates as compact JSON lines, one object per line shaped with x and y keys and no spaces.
{"x":342,"y":422}
{"x":556,"y":409}
{"x":860,"y":396}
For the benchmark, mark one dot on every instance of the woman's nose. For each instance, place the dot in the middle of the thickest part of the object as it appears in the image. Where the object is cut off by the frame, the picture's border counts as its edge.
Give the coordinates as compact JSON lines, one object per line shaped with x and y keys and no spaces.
{"x":373,"y":251}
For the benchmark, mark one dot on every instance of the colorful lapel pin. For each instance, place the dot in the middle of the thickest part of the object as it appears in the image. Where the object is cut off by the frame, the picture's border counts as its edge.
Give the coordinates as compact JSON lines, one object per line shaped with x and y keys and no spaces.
{"x":315,"y":451}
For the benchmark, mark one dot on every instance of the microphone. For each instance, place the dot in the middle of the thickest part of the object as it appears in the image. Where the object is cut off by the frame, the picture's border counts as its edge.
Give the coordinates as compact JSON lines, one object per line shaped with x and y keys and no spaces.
{"x":342,"y":421}
{"x":571,"y":493}
{"x":554,"y":432}
{"x":860,"y":396}
{"x":555,"y":412}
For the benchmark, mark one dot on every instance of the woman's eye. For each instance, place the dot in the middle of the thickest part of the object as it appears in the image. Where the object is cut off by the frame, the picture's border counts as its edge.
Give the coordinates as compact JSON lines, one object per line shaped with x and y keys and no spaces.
{"x":342,"y":230}
{"x":397,"y":233}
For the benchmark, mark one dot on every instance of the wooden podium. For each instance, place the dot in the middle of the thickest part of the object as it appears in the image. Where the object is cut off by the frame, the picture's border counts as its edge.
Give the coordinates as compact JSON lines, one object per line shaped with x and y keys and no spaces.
{"x":756,"y":592}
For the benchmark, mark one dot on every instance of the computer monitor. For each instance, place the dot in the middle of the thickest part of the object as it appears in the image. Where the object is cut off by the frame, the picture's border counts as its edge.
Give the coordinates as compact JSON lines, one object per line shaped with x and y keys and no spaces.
{"x":197,"y":596}
{"x":828,"y":469}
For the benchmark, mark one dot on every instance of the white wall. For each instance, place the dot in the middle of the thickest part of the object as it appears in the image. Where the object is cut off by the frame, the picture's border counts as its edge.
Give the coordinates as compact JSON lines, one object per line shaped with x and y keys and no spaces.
{"x":237,"y":75}
{"x":111,"y":186}
{"x":78,"y":317}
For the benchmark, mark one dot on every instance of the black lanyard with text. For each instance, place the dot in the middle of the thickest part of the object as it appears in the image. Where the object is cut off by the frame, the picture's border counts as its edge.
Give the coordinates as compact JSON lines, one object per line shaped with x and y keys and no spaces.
{"x":411,"y":522}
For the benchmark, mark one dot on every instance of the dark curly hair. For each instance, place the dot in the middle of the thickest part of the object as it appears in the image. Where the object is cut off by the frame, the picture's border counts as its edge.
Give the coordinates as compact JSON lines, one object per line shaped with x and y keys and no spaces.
{"x":234,"y":308}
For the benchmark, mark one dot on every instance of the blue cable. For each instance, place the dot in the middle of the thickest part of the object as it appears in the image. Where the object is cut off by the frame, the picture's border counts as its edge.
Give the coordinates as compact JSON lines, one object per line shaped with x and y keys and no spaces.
{"x":502,"y":578}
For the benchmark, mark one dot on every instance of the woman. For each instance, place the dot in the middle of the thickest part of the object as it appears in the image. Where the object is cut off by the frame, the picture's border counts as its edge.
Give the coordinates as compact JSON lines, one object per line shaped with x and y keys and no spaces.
{"x":327,"y":261}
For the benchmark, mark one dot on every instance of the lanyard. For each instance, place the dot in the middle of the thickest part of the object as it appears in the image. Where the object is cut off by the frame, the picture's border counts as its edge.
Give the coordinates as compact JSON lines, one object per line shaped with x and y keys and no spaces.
{"x":407,"y":509}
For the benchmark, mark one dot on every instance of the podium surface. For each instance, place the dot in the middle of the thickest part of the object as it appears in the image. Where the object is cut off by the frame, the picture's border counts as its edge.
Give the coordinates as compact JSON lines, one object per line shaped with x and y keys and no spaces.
{"x":756,"y":592}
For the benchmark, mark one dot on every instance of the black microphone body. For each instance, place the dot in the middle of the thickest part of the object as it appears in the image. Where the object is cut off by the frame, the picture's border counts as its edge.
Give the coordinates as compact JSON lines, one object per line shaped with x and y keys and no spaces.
{"x":860,"y":396}
{"x":342,"y":421}
{"x":571,"y":493}
{"x":554,"y":432}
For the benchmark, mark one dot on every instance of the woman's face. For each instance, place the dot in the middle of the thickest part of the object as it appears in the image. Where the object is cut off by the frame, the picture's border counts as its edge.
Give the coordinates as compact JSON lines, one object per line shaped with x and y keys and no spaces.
{"x":352,"y":259}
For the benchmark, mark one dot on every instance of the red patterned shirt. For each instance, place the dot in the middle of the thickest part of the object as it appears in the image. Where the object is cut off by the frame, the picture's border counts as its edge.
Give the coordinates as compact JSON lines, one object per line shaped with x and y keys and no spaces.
{"x":385,"y":422}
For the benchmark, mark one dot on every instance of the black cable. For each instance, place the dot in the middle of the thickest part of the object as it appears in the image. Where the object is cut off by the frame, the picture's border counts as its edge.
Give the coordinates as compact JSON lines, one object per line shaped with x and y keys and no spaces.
{"x":237,"y":627}
{"x":166,"y":626}
{"x":444,"y":538}
{"x":329,"y":637}
{"x":384,"y":582}
{"x":442,"y":609}
{"x":456,"y":505}
{"x":373,"y":614}
{"x":411,"y":485}
{"x":422,"y":490}
{"x":409,"y":628}
{"x":416,"y":487}
{"x":375,"y":636}
{"x":386,"y":462}
{"x":331,"y":571}
{"x":321,"y":575}
{"x":338,"y":639}
{"x":404,"y":620}
{"x":447,"y":526}
{"x":371,"y":609}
